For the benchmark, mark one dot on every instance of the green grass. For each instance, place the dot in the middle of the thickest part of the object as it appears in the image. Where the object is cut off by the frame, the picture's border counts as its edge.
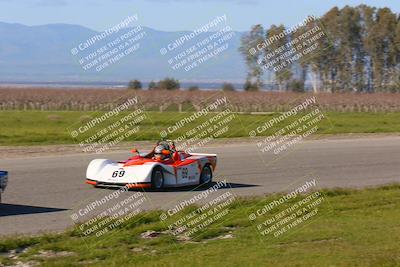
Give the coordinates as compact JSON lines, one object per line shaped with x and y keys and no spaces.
{"x":38,"y":128}
{"x":353,"y":228}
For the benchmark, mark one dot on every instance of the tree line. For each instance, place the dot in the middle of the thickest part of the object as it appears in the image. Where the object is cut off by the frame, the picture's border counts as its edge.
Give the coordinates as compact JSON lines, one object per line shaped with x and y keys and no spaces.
{"x":165,"y":84}
{"x":171,"y":84}
{"x":361,"y":53}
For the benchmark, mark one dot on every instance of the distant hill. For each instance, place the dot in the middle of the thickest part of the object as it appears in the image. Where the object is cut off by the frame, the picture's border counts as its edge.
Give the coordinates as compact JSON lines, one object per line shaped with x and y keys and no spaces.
{"x":42,"y":54}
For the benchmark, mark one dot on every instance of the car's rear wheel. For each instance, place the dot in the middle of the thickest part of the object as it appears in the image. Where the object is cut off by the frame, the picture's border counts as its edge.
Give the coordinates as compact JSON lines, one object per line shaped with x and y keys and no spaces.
{"x":206,"y":175}
{"x":157,"y":178}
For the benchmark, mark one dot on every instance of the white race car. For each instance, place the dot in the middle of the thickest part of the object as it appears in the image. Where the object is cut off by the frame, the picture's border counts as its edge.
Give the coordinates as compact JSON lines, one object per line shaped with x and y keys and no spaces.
{"x":3,"y":182}
{"x":156,"y":170}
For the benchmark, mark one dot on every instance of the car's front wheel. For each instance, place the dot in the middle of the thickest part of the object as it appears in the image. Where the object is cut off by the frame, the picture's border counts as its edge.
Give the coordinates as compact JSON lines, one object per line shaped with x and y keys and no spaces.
{"x":157,"y":178}
{"x":206,"y":175}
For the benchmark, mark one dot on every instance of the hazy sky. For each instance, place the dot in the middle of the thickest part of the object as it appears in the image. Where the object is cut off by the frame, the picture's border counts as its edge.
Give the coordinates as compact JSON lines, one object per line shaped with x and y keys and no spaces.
{"x":171,"y":15}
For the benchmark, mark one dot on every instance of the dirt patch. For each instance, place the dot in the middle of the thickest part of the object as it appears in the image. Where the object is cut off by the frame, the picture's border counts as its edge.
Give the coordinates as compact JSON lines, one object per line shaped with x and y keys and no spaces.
{"x":318,"y":241}
{"x":54,"y":254}
{"x":150,"y":234}
{"x":15,"y":253}
{"x":22,"y":264}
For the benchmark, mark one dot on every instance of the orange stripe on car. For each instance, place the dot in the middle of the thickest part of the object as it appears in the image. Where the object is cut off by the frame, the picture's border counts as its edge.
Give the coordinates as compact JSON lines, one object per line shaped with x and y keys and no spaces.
{"x":91,"y":182}
{"x":147,"y":185}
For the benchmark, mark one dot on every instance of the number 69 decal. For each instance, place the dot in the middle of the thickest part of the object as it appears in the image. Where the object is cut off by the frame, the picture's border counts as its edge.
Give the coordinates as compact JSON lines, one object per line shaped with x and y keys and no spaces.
{"x":118,"y":173}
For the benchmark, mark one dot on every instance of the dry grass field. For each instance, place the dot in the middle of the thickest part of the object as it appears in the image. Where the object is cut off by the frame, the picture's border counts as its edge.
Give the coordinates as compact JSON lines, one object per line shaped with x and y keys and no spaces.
{"x":161,"y":100}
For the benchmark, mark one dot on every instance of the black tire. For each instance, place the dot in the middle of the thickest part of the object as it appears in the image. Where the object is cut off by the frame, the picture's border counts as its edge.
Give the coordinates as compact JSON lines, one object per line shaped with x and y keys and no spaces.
{"x":157,"y":178}
{"x":206,"y":175}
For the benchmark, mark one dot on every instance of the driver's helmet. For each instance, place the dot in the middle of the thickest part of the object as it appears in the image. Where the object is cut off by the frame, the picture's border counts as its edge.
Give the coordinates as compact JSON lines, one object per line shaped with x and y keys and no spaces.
{"x":158,"y":152}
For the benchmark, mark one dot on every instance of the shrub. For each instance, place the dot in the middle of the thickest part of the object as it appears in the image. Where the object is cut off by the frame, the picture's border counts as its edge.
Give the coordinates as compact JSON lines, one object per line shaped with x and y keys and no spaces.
{"x":249,"y":86}
{"x":169,"y":84}
{"x":228,"y":87}
{"x":152,"y":85}
{"x":193,"y":88}
{"x":135,"y":84}
{"x":296,"y":86}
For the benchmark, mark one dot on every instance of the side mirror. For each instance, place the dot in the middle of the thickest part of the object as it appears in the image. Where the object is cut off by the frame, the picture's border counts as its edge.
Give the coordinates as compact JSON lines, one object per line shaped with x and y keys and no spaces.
{"x":135,"y":151}
{"x":166,"y":152}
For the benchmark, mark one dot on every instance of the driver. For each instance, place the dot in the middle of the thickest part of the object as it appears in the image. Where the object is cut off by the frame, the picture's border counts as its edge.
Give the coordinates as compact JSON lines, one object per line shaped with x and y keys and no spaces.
{"x":158,"y":153}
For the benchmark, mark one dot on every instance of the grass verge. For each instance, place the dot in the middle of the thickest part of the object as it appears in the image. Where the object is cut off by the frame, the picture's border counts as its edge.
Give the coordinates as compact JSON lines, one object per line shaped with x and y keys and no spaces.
{"x":357,"y":228}
{"x":45,"y":127}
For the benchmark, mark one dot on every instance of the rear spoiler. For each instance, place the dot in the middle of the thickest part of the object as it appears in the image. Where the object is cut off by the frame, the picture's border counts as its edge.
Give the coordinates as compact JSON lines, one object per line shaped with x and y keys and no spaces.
{"x":203,"y":154}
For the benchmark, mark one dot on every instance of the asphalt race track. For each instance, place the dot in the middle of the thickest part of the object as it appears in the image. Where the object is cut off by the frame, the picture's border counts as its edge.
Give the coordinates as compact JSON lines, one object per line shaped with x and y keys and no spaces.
{"x":43,"y":192}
